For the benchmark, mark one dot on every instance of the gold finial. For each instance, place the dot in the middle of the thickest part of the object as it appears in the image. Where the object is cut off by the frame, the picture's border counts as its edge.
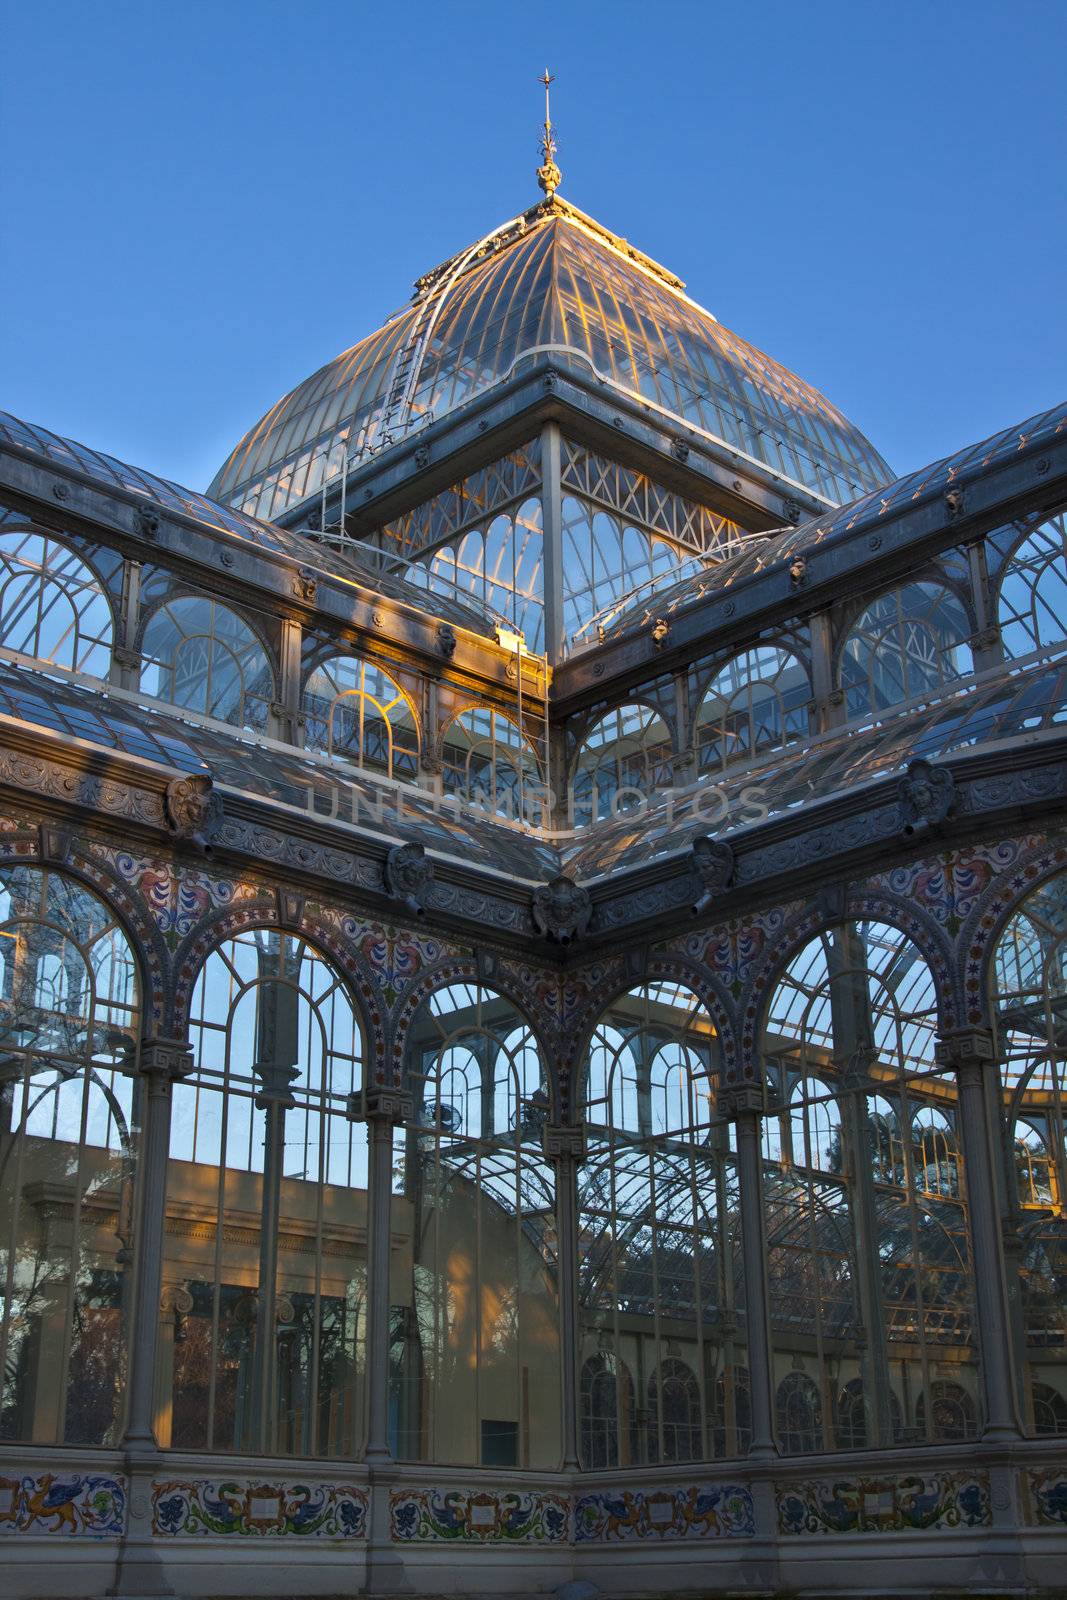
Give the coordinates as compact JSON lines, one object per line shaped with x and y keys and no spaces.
{"x":549,"y":177}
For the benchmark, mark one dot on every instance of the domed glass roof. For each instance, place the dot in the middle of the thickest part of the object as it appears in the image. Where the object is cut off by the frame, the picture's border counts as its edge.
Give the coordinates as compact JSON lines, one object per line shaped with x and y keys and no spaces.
{"x":552,"y":281}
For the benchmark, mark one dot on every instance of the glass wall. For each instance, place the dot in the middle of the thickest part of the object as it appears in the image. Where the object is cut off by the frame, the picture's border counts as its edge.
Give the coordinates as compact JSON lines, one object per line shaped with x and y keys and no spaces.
{"x":867,"y":1235}
{"x":624,"y":758}
{"x":53,"y":606}
{"x":1030,"y":998}
{"x":757,"y":702}
{"x":354,"y":709}
{"x":910,"y":641}
{"x":486,"y":761}
{"x":264,"y":1271}
{"x":203,"y":657}
{"x":475,"y":1364}
{"x":69,"y":1115}
{"x":1033,"y":590}
{"x":663,"y":1372}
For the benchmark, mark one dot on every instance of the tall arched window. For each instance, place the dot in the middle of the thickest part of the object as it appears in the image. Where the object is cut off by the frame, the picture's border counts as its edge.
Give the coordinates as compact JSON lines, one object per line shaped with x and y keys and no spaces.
{"x":354,"y":709}
{"x":798,"y":1414}
{"x":951,"y":1416}
{"x":868,"y":1256}
{"x":606,"y":561}
{"x":264,"y":1272}
{"x":675,"y":1414}
{"x":70,"y":1108}
{"x":203,"y":657}
{"x":624,"y":757}
{"x":910,"y":641}
{"x":759,"y":701}
{"x":608,"y":1420}
{"x":500,"y":565}
{"x":657,"y":1205}
{"x":53,"y":606}
{"x":475,"y":1353}
{"x":1033,"y":590}
{"x":1029,"y":981}
{"x":486,"y":761}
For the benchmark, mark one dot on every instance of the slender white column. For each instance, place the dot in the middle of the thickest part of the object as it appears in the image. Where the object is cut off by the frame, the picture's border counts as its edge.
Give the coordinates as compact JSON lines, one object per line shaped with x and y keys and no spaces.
{"x":160,"y":1064}
{"x":382,"y":1109}
{"x":971,"y":1054}
{"x":552,"y":536}
{"x":565,"y":1148}
{"x":745,"y":1107}
{"x":274,"y":1099}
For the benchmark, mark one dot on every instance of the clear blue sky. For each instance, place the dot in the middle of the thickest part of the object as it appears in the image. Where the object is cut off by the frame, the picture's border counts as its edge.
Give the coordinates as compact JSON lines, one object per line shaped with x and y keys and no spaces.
{"x":203,"y":200}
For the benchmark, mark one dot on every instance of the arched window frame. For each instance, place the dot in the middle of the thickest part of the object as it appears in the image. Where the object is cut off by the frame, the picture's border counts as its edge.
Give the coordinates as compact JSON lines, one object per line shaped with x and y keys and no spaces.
{"x":70,"y":1039}
{"x":54,"y":606}
{"x":1032,"y":592}
{"x":627,"y":750}
{"x":385,"y":735}
{"x":730,"y":724}
{"x":493,"y":765}
{"x":165,"y":639}
{"x":884,"y":635}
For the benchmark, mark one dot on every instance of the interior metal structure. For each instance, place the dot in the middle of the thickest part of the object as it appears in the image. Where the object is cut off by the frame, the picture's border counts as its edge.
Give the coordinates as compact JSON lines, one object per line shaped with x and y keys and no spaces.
{"x":533,"y":956}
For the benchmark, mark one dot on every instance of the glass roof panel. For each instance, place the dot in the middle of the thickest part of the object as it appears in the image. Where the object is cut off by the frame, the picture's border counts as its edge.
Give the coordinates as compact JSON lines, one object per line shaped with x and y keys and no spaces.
{"x":552,"y":280}
{"x":355,"y":564}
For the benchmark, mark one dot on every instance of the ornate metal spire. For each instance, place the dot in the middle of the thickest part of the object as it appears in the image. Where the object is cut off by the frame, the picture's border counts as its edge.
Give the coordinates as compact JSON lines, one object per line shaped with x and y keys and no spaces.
{"x":549,"y":177}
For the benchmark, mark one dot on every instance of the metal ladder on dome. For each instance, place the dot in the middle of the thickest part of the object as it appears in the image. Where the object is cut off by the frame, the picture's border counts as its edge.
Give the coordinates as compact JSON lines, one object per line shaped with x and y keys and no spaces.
{"x":379,"y":431}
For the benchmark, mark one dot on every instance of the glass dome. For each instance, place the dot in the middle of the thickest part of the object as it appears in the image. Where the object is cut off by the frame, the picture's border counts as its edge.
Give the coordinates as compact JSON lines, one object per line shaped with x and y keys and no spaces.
{"x":552,"y":281}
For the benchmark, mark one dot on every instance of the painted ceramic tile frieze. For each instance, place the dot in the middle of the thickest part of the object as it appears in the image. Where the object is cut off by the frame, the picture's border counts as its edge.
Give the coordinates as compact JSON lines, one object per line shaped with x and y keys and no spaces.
{"x":68,"y":1503}
{"x":695,"y":1511}
{"x":479,"y":1517}
{"x":213,"y":1509}
{"x":1048,"y":1497}
{"x":884,"y":1505}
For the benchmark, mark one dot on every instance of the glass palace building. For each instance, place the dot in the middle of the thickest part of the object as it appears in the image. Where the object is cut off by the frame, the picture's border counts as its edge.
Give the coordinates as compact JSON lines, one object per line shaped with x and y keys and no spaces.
{"x":533,"y":977}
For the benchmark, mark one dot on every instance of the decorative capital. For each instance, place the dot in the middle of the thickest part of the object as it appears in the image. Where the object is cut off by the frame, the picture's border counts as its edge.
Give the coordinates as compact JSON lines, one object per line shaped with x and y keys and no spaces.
{"x":408,"y":876}
{"x":276,"y":1080}
{"x":562,"y":1142}
{"x":129,"y":660}
{"x":713,"y":860}
{"x":165,"y":1061}
{"x":739,"y":1099}
{"x":391,"y":1106}
{"x":562,"y":910}
{"x":193,"y":810}
{"x":958,"y":1048}
{"x":927,"y":795}
{"x":305,"y":584}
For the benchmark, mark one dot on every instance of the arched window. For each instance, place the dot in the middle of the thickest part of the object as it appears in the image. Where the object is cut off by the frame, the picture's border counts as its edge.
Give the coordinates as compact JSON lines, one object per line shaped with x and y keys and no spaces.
{"x":656,"y":1199}
{"x":1035,"y":1173}
{"x":53,"y":606}
{"x":500,"y":566}
{"x":1029,"y":994}
{"x":606,"y":562}
{"x":675,"y":1414}
{"x":953,"y":1415}
{"x":69,"y":1102}
{"x":936,"y":1158}
{"x":798,"y":1415}
{"x":487,"y":762}
{"x":203,"y":657}
{"x":850,"y":1424}
{"x":265,"y":1267}
{"x":606,"y":1406}
{"x":759,"y":701}
{"x":1050,"y":1410}
{"x":475,"y":1365}
{"x":1033,"y":590}
{"x":815,"y":1126}
{"x":354,"y":709}
{"x":910,"y":641}
{"x":625,"y":756}
{"x":865,"y":1229}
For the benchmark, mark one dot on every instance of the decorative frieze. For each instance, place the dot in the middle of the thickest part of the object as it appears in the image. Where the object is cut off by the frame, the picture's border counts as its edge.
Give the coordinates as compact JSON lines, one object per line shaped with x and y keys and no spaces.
{"x":478,"y":1516}
{"x":1048,"y":1496}
{"x":905,"y":1504}
{"x":71,"y":1504}
{"x":692,"y":1511}
{"x":217,"y":1508}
